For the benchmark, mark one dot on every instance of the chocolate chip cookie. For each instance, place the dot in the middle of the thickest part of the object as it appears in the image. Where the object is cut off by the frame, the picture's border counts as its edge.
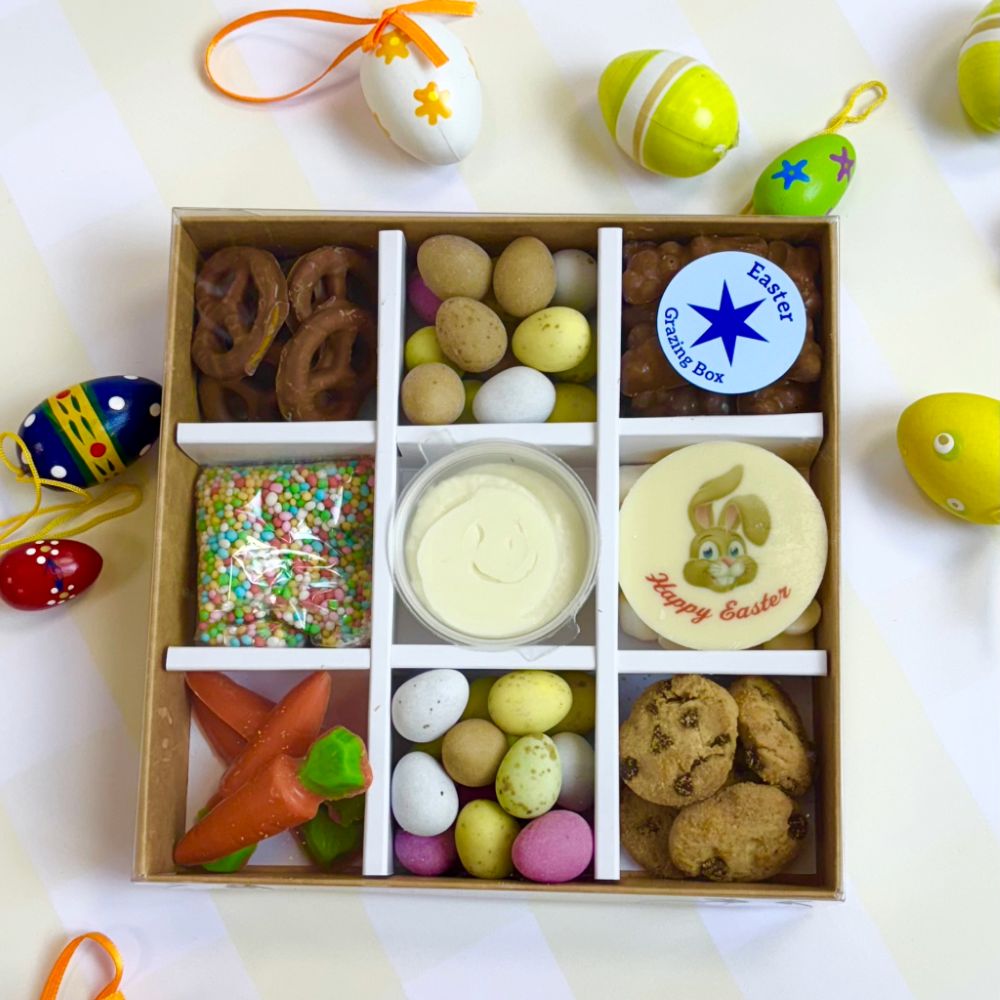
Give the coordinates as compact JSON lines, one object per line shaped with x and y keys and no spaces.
{"x":744,"y":833}
{"x":677,"y":745}
{"x":645,"y":829}
{"x":775,"y":745}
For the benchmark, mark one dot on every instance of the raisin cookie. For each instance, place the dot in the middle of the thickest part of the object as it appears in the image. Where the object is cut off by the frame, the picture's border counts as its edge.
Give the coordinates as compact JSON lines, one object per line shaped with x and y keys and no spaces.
{"x":645,"y":829}
{"x":677,"y":745}
{"x":776,"y":747}
{"x":744,"y":833}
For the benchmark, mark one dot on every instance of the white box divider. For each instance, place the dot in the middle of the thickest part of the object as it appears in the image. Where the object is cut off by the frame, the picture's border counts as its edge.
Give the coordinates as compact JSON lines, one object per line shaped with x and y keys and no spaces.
{"x":189,"y":658}
{"x":308,"y":441}
{"x":422,"y":656}
{"x":775,"y":663}
{"x":574,"y":443}
{"x":377,"y":857}
{"x":609,"y":296}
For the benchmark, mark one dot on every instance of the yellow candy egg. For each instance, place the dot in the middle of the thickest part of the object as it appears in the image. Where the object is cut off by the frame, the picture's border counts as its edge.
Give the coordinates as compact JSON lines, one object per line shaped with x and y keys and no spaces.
{"x":979,"y":69}
{"x":529,"y":701}
{"x":574,"y":404}
{"x":552,"y":340}
{"x":422,"y":348}
{"x":432,"y":112}
{"x":950,"y":443}
{"x":582,"y":715}
{"x":530,"y":777}
{"x":484,"y":836}
{"x":479,"y":693}
{"x":670,"y":113}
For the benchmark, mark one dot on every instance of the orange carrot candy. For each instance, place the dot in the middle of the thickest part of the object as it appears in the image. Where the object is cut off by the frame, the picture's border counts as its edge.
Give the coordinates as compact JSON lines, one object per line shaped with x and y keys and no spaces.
{"x":286,"y":792}
{"x":238,"y":707}
{"x":290,"y":728}
{"x":226,"y":742}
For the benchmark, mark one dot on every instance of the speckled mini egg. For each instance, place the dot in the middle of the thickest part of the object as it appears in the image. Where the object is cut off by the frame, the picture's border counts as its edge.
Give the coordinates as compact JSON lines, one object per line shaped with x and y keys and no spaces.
{"x":515,"y":396}
{"x":470,"y":333}
{"x":575,"y":404}
{"x":90,"y":432}
{"x":808,"y":179}
{"x":422,"y":348}
{"x":524,"y":277}
{"x":432,"y":112}
{"x":432,"y":394}
{"x":556,"y":847}
{"x":472,"y":752}
{"x":583,"y":711}
{"x":529,"y":701}
{"x":453,"y":266}
{"x":428,"y":705}
{"x":552,"y":340}
{"x":429,"y":856}
{"x":484,"y":836}
{"x":576,"y":280}
{"x":422,"y":300}
{"x":424,"y":799}
{"x":585,"y":370}
{"x":530,"y":777}
{"x":479,"y":694}
{"x":576,"y":758}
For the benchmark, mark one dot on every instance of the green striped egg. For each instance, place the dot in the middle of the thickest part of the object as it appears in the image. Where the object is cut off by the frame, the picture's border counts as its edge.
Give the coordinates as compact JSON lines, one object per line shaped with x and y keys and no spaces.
{"x":670,"y":113}
{"x":979,"y":69}
{"x":808,"y":179}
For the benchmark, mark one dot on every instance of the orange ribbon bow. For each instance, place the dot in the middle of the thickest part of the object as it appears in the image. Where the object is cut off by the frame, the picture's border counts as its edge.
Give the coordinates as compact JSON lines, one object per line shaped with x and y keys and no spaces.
{"x":396,"y":17}
{"x":110,"y":992}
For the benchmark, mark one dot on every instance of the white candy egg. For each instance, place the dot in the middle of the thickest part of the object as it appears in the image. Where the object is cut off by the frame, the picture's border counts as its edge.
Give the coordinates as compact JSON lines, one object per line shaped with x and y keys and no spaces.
{"x":432,"y":112}
{"x":518,"y":395}
{"x":576,"y":756}
{"x":576,"y":280}
{"x":424,"y":798}
{"x":428,"y":705}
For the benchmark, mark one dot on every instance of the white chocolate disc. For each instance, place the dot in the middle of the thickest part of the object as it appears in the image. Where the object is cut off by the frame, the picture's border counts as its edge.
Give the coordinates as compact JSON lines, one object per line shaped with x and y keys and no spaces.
{"x":723,"y":546}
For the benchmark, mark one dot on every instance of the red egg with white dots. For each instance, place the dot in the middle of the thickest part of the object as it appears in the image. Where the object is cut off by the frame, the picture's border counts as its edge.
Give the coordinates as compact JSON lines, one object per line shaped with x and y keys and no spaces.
{"x":47,"y":573}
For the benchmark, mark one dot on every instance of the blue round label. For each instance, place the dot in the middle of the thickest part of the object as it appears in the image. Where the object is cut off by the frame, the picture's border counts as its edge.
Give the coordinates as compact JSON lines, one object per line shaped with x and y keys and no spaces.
{"x":731,"y":322}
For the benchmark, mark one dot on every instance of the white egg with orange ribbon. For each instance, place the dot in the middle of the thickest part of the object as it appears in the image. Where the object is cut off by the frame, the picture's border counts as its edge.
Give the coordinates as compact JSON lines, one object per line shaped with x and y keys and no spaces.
{"x":432,"y":112}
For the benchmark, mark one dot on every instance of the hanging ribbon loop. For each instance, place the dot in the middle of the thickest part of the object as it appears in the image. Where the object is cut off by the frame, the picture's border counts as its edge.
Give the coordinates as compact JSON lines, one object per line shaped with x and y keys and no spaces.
{"x":109,"y":992}
{"x":395,"y":17}
{"x":62,"y":513}
{"x":844,"y":115}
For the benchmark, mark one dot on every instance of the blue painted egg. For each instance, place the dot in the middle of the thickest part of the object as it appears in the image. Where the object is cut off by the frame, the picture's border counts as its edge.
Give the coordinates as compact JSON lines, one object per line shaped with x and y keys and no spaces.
{"x":808,"y":179}
{"x":90,"y":432}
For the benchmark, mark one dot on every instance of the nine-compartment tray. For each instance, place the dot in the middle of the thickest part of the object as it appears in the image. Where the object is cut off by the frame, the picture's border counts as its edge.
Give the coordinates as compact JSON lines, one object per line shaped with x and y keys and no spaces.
{"x":399,"y":645}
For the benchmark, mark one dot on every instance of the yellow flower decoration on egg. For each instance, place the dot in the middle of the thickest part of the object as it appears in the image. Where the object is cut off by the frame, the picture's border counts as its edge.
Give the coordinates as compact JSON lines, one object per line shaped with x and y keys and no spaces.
{"x":432,"y":103}
{"x":392,"y":45}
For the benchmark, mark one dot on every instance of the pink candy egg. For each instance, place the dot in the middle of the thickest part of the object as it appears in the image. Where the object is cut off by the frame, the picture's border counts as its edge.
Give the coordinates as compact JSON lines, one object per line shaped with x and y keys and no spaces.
{"x":556,"y":847}
{"x":426,"y":855}
{"x":425,"y":303}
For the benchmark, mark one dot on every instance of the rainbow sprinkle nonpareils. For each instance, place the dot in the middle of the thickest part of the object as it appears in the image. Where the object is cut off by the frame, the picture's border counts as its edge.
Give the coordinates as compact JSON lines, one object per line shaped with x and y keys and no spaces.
{"x":285,"y":554}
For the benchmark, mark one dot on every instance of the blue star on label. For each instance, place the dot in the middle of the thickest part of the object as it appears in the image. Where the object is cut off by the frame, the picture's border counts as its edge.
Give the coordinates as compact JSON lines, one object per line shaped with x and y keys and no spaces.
{"x":792,"y":172}
{"x":728,"y":323}
{"x":731,"y":322}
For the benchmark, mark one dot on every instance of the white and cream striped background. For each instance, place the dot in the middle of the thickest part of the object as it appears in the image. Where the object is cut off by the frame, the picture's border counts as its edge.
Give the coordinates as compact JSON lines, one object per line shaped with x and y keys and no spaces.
{"x":105,"y":124}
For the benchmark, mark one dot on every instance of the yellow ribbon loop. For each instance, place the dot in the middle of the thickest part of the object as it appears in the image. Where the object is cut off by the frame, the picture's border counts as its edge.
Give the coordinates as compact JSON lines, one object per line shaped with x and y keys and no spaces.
{"x":396,"y":17}
{"x":844,"y":116}
{"x":109,"y":992}
{"x":62,"y":513}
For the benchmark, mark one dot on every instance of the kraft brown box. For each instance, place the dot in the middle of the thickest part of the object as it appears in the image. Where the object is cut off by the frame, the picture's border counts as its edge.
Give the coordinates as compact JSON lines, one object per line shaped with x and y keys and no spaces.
{"x":165,"y":745}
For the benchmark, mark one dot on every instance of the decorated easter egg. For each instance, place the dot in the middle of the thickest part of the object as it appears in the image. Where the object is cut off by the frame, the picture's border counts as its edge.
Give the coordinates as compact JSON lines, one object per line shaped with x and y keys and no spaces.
{"x":979,"y":69}
{"x":90,"y":432}
{"x":950,"y":443}
{"x":47,"y":573}
{"x":432,"y":112}
{"x":670,"y":113}
{"x":808,"y":179}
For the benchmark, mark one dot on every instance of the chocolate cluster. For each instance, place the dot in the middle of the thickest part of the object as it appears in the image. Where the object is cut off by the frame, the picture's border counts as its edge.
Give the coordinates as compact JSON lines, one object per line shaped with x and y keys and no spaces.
{"x":649,"y":383}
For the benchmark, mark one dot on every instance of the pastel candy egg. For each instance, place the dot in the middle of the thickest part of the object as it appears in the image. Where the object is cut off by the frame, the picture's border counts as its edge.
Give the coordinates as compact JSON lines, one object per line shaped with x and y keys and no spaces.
{"x":574,"y":404}
{"x":425,"y":303}
{"x":517,"y":395}
{"x":576,"y":280}
{"x":951,"y":448}
{"x":529,"y":701}
{"x":556,"y":847}
{"x":472,"y":752}
{"x":530,"y":777}
{"x":552,"y":340}
{"x":90,"y":432}
{"x":585,"y":370}
{"x":484,"y":836}
{"x":979,"y":69}
{"x":422,"y":348}
{"x":808,"y":179}
{"x":424,"y":799}
{"x":428,"y":705}
{"x":668,"y":112}
{"x":479,"y":694}
{"x":576,"y":758}
{"x":426,"y":855}
{"x":583,"y":712}
{"x":432,"y":112}
{"x":47,"y":573}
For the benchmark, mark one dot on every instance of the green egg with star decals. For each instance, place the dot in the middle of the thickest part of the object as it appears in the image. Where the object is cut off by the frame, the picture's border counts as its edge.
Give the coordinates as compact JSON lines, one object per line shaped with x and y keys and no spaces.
{"x":808,"y":179}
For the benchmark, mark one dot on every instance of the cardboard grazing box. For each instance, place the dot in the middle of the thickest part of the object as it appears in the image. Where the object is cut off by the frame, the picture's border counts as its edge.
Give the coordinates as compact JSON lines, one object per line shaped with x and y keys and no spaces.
{"x":399,"y":645}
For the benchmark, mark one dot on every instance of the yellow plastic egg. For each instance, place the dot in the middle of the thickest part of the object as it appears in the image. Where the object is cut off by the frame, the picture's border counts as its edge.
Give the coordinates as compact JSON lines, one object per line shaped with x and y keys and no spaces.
{"x":552,"y":340}
{"x":433,"y":112}
{"x":979,"y":69}
{"x":950,"y":443}
{"x":670,"y":113}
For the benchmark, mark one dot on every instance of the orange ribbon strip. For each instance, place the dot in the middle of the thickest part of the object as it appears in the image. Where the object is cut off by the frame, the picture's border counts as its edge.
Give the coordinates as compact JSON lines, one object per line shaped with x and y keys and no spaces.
{"x":396,"y":17}
{"x":110,"y":992}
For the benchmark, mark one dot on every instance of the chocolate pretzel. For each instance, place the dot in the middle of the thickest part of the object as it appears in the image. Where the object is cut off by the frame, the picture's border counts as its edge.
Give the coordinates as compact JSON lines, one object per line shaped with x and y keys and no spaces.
{"x":320,"y":279}
{"x":329,"y":366}
{"x":242,"y":300}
